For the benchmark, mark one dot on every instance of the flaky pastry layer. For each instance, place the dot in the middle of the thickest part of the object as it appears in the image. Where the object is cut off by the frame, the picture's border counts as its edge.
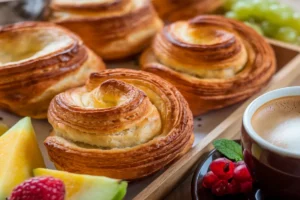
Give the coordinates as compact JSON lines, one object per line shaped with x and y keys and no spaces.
{"x":114,"y":29}
{"x":123,"y":124}
{"x":37,"y":61}
{"x":174,"y":10}
{"x":212,"y":60}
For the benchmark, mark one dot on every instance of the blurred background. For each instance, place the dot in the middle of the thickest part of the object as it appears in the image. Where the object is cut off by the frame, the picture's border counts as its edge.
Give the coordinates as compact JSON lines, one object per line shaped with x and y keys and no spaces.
{"x":277,"y":19}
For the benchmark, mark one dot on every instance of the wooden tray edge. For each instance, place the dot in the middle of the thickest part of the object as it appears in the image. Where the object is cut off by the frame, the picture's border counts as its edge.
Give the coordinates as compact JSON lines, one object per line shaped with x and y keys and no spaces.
{"x":283,"y":44}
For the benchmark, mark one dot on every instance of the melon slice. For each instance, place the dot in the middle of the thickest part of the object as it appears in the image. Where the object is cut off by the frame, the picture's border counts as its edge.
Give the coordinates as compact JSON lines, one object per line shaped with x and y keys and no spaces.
{"x":87,"y":187}
{"x":19,"y":155}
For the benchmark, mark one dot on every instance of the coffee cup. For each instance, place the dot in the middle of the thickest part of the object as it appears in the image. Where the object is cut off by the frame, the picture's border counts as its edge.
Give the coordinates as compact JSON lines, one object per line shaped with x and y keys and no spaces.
{"x":271,"y":142}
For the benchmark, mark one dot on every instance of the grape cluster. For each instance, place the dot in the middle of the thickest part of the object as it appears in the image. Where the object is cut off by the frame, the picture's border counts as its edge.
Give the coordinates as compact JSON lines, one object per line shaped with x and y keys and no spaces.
{"x":227,"y":178}
{"x":269,"y":17}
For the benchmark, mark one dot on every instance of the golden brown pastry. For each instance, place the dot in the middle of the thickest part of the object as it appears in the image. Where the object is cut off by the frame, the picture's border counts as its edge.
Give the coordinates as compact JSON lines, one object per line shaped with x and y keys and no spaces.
{"x":114,"y":29}
{"x":174,"y":10}
{"x":212,"y":60}
{"x":37,"y":61}
{"x":123,"y":124}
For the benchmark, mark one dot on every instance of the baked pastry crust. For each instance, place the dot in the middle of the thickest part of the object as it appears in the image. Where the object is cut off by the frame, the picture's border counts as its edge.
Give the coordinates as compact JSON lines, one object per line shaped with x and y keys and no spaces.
{"x":174,"y":10}
{"x":37,"y":61}
{"x":123,"y":124}
{"x":213,"y":61}
{"x":114,"y":29}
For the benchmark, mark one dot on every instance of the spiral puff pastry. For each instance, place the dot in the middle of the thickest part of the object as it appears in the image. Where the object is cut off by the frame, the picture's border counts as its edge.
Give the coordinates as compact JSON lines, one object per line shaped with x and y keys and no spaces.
{"x":38,"y":61}
{"x":174,"y":10}
{"x":212,"y":60}
{"x":115,"y":29}
{"x":123,"y":124}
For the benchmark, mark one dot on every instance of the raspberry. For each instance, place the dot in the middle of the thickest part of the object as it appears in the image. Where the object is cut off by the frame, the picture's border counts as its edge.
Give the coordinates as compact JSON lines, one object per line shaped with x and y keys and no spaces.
{"x":39,"y":188}
{"x":242,"y":174}
{"x":246,"y":187}
{"x":233,"y":187}
{"x":222,"y":168}
{"x":219,"y":188}
{"x":239,"y":163}
{"x":227,"y":177}
{"x":209,"y":180}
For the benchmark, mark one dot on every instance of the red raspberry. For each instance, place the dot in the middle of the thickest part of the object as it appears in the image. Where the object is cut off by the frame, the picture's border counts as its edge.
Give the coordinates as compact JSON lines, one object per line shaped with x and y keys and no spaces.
{"x":242,"y":174}
{"x":222,"y":168}
{"x":239,"y":163}
{"x":219,"y":188}
{"x":233,"y":187}
{"x":39,"y":188}
{"x":209,"y":180}
{"x":246,"y":187}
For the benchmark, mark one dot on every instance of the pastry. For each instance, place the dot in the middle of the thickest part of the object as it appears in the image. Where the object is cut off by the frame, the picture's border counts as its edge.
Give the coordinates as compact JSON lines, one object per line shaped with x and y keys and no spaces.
{"x":37,"y":61}
{"x":213,"y":61}
{"x":114,"y":29}
{"x":123,"y":124}
{"x":174,"y":10}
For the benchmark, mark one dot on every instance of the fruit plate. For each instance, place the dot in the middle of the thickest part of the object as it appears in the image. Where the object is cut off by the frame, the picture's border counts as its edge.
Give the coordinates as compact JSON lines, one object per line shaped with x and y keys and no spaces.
{"x":222,"y":123}
{"x":200,"y":193}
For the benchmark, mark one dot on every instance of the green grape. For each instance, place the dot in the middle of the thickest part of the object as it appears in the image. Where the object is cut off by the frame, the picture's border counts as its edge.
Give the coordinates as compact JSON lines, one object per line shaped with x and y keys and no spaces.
{"x":270,"y":1}
{"x":272,"y":13}
{"x":228,"y":4}
{"x":258,"y":2}
{"x":252,"y":20}
{"x":255,"y":27}
{"x":295,"y":21}
{"x":260,"y":10}
{"x":287,"y":34}
{"x":231,"y":14}
{"x":270,"y":17}
{"x":254,"y":3}
{"x":269,"y":29}
{"x":283,"y":7}
{"x":242,"y":10}
{"x":285,"y":17}
{"x":284,"y":13}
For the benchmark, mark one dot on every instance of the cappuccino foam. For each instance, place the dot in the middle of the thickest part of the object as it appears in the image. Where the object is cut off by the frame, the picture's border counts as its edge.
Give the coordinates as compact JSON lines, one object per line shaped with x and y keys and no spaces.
{"x":278,"y":122}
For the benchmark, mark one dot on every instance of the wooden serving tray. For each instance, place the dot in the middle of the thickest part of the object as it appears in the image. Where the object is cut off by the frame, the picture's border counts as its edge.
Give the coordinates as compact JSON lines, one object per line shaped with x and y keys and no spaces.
{"x":222,"y":123}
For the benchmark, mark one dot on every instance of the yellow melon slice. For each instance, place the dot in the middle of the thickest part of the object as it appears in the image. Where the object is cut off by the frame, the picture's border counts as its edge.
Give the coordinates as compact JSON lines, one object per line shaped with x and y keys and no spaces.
{"x":19,"y":155}
{"x":80,"y":187}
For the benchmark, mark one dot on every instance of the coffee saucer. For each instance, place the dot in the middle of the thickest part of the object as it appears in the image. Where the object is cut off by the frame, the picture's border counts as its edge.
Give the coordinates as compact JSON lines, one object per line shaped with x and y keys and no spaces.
{"x":200,"y":193}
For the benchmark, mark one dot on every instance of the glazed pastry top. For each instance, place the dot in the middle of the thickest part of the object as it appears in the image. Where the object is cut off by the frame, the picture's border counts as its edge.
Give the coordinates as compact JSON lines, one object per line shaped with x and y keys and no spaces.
{"x":39,"y":60}
{"x":113,"y":29}
{"x":32,"y":43}
{"x":125,"y":115}
{"x":116,"y":112}
{"x":209,"y":47}
{"x":202,"y":49}
{"x":65,"y":9}
{"x":175,"y":10}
